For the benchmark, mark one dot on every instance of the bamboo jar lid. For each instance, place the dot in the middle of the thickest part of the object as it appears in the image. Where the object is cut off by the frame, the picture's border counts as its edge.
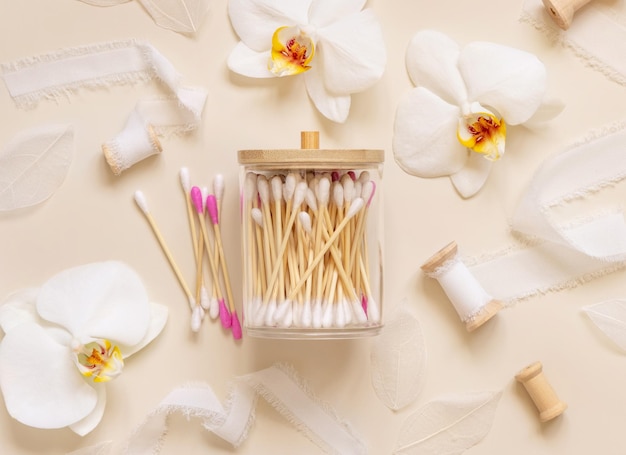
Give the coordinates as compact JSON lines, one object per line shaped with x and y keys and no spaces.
{"x":311,"y":156}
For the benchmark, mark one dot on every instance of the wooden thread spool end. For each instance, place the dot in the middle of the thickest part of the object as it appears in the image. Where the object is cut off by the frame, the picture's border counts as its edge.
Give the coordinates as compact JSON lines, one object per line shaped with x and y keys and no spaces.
{"x":309,"y":139}
{"x":541,"y":392}
{"x":485,"y":313}
{"x":118,"y":164}
{"x":562,"y":11}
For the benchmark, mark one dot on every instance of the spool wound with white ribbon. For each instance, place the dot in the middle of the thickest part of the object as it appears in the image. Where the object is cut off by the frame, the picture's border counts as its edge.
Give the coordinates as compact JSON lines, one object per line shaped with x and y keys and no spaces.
{"x":136,"y":142}
{"x":473,"y":304}
{"x":541,"y":392}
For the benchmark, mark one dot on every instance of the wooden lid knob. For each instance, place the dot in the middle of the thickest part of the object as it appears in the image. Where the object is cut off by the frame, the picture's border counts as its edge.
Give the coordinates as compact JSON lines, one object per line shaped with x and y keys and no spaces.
{"x":310,"y":139}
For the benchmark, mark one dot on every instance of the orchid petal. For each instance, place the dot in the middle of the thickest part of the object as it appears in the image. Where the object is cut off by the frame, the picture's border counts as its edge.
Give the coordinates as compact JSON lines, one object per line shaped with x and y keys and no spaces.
{"x":100,"y":300}
{"x":323,"y":12}
{"x":18,"y":308}
{"x":424,"y":141}
{"x":333,"y":107}
{"x":158,"y":318}
{"x":247,"y":62}
{"x":353,"y":53}
{"x":511,"y":81}
{"x":549,"y":109}
{"x":431,"y":61}
{"x":471,"y":178}
{"x":254,"y":21}
{"x":91,"y":421}
{"x":39,"y":381}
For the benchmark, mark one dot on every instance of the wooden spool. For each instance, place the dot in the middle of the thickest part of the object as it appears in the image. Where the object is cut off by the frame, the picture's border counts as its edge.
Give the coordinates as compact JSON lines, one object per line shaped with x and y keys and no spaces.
{"x":119,"y":163}
{"x":485,"y":313}
{"x":541,"y":392}
{"x":562,"y":11}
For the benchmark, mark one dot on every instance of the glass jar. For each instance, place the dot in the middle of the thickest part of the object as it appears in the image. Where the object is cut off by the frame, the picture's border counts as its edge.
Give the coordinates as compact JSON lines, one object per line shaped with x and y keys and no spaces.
{"x":312,"y":241}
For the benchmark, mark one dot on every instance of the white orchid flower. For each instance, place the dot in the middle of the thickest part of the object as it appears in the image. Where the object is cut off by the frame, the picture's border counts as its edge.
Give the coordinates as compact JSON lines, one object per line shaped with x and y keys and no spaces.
{"x":65,"y":340}
{"x":453,"y":123}
{"x":335,"y":45}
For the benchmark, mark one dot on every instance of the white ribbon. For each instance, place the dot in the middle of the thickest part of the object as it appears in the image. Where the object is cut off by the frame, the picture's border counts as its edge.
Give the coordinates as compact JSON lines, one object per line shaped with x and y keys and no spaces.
{"x":597,"y":34}
{"x":563,"y":250}
{"x":279,"y":385}
{"x":120,"y":62}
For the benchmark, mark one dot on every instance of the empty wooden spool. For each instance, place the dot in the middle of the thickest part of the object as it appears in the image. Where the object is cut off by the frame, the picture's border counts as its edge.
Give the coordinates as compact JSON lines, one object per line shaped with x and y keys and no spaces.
{"x":562,"y":11}
{"x":541,"y":392}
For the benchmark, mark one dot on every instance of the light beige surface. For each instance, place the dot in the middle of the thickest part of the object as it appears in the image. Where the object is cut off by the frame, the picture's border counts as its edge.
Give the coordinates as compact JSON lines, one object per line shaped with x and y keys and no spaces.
{"x":93,"y":218}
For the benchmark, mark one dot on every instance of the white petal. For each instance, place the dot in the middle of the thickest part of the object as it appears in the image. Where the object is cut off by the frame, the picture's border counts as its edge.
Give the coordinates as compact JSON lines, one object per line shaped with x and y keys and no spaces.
{"x":99,"y":300}
{"x":41,"y":386}
{"x":86,"y":425}
{"x":353,"y":53}
{"x":549,"y":109}
{"x":158,"y":319}
{"x":424,"y":140}
{"x":255,"y":21}
{"x":245,"y":61}
{"x":431,"y":61}
{"x":333,"y":107}
{"x":511,"y":81}
{"x":324,"y":12}
{"x":19,"y":307}
{"x":469,"y":180}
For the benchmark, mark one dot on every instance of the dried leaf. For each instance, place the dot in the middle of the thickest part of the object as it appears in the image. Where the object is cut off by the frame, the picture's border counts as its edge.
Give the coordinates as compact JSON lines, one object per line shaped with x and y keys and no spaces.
{"x":34,"y":164}
{"x":610,"y":317}
{"x":449,"y":425}
{"x":184,"y":16}
{"x":399,"y":360}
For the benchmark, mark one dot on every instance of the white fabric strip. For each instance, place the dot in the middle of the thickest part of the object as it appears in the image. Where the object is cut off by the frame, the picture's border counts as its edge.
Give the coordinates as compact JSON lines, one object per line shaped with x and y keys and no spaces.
{"x":279,"y":385}
{"x":597,"y":34}
{"x":563,"y":251}
{"x":33,"y":79}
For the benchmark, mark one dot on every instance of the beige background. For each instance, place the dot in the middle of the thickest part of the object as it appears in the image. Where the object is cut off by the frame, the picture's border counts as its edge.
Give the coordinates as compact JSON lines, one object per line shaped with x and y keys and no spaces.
{"x":93,"y":218}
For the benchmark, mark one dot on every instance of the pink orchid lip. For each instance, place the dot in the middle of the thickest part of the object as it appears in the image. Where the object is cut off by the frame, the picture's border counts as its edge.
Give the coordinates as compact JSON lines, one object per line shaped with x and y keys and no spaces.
{"x":292,"y":51}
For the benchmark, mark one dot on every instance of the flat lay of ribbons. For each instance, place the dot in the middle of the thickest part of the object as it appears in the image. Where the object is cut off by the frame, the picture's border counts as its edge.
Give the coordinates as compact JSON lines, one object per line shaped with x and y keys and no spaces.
{"x":30,"y":80}
{"x":560,"y":251}
{"x":279,"y":385}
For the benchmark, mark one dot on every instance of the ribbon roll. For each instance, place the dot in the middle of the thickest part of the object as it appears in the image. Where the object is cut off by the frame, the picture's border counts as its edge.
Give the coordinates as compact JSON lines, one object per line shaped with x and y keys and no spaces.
{"x":473,"y":304}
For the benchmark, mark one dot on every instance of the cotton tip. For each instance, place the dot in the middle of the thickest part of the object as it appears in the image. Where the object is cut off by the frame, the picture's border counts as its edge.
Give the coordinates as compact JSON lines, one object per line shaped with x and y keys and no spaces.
{"x":257,"y":216}
{"x":358,"y":312}
{"x":205,"y":301}
{"x":140,"y":199}
{"x":269,"y":313}
{"x":323,"y":191}
{"x":236,"y":326}
{"x":196,"y":198}
{"x":347,"y":311}
{"x":357,"y":204}
{"x":196,"y":318}
{"x":249,"y":187}
{"x":299,"y":193}
{"x":184,"y":179}
{"x":211,"y":206}
{"x":277,"y":188}
{"x":373,"y":310}
{"x":334,"y":176}
{"x":364,"y":177}
{"x":352,"y":175}
{"x":218,"y":186}
{"x":348,"y":188}
{"x":309,"y":197}
{"x":281,"y":309}
{"x":339,"y":315}
{"x":192,"y":303}
{"x":371,"y":190}
{"x":205,"y":194}
{"x":338,"y":194}
{"x":287,"y":319}
{"x":358,"y":189}
{"x":305,"y":221}
{"x":290,"y":186}
{"x":316,"y":316}
{"x":264,"y":189}
{"x":225,"y":316}
{"x":306,"y":319}
{"x":259,"y":315}
{"x":327,"y":314}
{"x":214,"y":308}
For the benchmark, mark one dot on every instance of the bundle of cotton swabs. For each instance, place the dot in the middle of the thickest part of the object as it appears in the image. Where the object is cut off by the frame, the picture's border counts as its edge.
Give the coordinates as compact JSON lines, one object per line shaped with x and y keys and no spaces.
{"x":207,"y":243}
{"x":307,"y":249}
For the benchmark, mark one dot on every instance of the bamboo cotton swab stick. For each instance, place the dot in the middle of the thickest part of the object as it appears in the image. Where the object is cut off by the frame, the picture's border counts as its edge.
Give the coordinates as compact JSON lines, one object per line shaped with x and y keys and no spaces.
{"x":143,"y":205}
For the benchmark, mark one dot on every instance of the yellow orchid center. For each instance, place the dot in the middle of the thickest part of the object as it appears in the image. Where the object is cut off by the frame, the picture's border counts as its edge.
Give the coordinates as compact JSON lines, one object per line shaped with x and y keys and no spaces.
{"x":292,"y":51}
{"x":483,"y":133}
{"x":99,"y":360}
